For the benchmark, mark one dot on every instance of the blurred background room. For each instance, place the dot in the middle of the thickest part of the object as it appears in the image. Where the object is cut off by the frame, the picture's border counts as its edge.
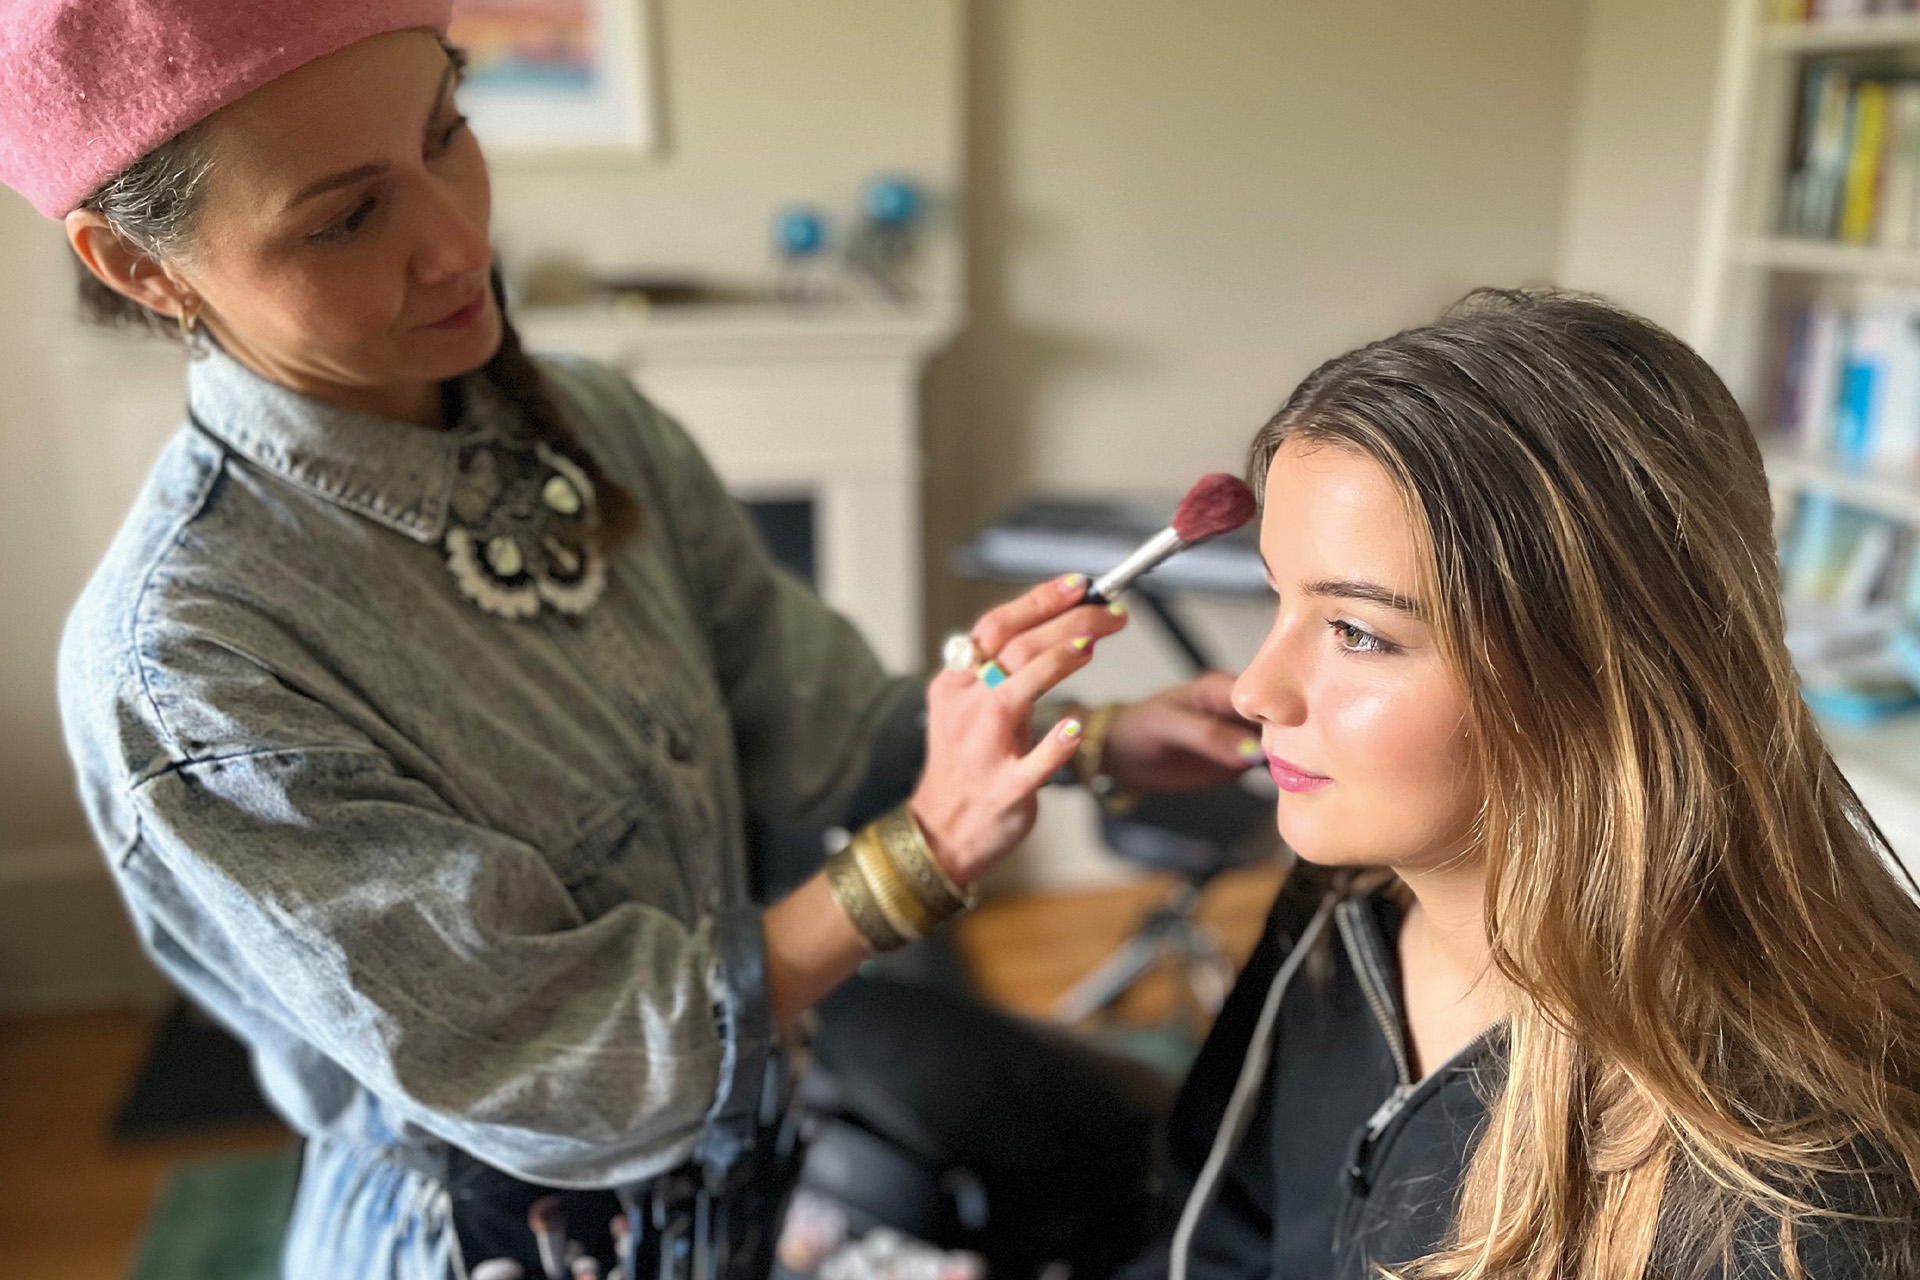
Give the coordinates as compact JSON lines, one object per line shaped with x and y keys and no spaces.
{"x":906,"y":266}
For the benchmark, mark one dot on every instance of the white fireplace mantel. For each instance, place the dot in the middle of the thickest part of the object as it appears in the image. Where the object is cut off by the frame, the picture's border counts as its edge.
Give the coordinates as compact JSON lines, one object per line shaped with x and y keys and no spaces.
{"x":796,"y":402}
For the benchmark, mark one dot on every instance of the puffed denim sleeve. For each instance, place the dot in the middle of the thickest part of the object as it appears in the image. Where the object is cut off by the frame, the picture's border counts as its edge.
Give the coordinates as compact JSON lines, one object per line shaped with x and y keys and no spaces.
{"x":443,"y":965}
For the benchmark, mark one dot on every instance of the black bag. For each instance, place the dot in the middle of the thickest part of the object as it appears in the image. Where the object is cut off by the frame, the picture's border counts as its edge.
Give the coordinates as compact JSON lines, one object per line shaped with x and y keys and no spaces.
{"x":924,"y":1111}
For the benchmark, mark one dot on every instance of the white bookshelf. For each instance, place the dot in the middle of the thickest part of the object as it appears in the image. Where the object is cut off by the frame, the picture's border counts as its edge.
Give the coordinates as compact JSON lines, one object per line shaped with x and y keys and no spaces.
{"x":1896,"y":493}
{"x":1890,"y":32}
{"x":1747,"y":271}
{"x":1825,"y":258}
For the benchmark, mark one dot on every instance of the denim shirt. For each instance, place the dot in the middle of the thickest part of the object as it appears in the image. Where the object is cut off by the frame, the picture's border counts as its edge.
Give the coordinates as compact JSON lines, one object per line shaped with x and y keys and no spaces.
{"x":456,"y":878}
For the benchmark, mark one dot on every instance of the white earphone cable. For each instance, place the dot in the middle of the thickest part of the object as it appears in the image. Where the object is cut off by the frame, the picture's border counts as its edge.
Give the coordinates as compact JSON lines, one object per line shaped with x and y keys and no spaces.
{"x":1233,"y":1122}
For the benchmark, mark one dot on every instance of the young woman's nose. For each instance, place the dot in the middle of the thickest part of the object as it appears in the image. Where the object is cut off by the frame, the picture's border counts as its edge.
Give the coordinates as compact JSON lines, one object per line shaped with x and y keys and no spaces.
{"x":1269,"y":690}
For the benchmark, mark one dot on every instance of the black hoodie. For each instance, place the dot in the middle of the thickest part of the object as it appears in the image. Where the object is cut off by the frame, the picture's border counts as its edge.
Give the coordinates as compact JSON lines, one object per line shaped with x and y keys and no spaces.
{"x":1347,"y":1162}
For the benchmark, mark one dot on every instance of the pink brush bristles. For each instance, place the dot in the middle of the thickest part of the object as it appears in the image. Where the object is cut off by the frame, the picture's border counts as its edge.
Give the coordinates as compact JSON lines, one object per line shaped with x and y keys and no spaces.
{"x":1216,"y":504}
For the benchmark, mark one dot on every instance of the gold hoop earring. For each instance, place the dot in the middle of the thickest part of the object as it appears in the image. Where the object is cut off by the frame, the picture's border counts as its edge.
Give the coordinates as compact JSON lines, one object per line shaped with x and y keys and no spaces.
{"x":189,"y":322}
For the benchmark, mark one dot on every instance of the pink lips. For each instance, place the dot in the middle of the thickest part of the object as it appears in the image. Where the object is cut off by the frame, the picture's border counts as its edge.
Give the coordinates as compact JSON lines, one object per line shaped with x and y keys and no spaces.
{"x":1292,"y":778}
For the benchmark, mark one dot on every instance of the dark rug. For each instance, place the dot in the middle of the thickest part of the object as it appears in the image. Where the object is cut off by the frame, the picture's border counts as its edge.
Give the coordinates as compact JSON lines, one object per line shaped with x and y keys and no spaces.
{"x":197,"y":1079}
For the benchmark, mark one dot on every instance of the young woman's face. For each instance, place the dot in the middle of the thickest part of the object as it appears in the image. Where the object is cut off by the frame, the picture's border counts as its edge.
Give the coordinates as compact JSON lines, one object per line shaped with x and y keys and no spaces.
{"x":344,"y":244}
{"x":1363,"y":720}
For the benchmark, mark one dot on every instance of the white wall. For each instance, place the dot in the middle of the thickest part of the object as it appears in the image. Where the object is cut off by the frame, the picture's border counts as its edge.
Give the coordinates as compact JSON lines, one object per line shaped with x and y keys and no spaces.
{"x":1641,"y":124}
{"x":82,"y":417}
{"x":764,"y":105}
{"x":38,"y":531}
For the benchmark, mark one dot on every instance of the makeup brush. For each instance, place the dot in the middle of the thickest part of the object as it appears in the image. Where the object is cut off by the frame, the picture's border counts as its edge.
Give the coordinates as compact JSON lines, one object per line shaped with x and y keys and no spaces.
{"x":626,"y":1234}
{"x":623,"y":1251}
{"x":1216,"y":504}
{"x":550,"y":1233}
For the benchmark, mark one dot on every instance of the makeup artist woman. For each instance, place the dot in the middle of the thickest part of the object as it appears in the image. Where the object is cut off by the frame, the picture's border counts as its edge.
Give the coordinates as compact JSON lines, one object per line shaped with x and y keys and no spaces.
{"x":424,"y":699}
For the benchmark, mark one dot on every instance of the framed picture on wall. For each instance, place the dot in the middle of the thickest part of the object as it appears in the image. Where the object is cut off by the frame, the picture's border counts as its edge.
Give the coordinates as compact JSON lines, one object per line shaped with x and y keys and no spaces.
{"x":559,"y":77}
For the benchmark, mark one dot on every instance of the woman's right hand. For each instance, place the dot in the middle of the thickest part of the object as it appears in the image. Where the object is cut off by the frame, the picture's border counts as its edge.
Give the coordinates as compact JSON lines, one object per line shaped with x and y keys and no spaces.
{"x":975,"y":799}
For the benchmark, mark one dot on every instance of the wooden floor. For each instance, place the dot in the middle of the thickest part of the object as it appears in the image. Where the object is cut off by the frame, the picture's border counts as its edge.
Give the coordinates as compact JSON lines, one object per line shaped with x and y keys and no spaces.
{"x":1025,"y":952}
{"x":71,"y":1205}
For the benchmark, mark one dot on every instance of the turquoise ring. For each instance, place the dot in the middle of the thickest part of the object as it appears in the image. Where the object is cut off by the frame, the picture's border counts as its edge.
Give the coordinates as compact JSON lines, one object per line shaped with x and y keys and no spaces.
{"x":991,"y":674}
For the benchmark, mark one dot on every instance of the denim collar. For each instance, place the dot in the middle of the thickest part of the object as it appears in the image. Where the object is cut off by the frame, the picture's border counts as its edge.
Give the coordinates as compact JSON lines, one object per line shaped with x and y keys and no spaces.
{"x":392,"y":472}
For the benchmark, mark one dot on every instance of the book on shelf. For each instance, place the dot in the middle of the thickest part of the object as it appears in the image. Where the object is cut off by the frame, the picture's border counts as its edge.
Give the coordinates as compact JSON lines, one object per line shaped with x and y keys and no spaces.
{"x":1841,"y":557}
{"x":1855,"y":173}
{"x":1850,"y":584}
{"x":1820,"y":152}
{"x":1835,"y":10}
{"x":1894,"y":225}
{"x":1866,"y":147}
{"x":1849,"y":390}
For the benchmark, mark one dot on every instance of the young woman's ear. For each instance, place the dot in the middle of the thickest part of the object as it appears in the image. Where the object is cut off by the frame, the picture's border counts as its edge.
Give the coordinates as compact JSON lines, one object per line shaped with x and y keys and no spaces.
{"x":125,"y":269}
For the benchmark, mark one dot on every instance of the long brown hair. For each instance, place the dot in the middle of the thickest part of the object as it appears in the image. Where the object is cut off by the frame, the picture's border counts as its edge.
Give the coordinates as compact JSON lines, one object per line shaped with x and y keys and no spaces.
{"x":1714,"y":1038}
{"x":153,"y":206}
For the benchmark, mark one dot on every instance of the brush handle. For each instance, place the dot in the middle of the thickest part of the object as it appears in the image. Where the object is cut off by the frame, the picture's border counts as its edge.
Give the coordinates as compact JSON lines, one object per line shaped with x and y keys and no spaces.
{"x":1110,"y":585}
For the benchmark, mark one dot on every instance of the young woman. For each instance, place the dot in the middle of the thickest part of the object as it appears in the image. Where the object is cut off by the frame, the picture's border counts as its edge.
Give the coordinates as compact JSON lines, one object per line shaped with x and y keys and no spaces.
{"x":1602,"y":971}
{"x":423,"y":702}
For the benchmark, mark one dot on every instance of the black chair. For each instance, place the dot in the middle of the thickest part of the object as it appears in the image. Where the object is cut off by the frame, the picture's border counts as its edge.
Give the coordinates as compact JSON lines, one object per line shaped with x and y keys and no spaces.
{"x":967,"y":1128}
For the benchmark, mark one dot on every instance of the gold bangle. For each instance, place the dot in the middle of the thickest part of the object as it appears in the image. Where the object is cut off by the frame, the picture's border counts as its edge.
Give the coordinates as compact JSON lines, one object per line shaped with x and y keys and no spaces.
{"x":900,"y":834}
{"x":1092,"y":752}
{"x":1090,"y":763}
{"x":909,"y":918}
{"x":850,"y":890}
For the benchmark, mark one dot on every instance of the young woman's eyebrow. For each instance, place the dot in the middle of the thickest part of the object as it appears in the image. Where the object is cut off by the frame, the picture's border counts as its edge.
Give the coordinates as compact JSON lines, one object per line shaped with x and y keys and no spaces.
{"x":1372,"y":592}
{"x":360,"y":173}
{"x":1350,"y":589}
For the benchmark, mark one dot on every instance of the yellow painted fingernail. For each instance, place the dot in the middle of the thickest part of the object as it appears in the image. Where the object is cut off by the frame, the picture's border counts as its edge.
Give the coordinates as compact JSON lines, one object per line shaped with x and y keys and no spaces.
{"x":1081,"y":642}
{"x":1072,"y":581}
{"x":1118,"y":609}
{"x":1068,"y":730}
{"x":1249,"y":749}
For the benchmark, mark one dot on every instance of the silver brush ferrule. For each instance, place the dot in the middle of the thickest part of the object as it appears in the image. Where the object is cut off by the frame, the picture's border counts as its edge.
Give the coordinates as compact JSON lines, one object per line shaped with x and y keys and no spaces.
{"x":1110,"y":585}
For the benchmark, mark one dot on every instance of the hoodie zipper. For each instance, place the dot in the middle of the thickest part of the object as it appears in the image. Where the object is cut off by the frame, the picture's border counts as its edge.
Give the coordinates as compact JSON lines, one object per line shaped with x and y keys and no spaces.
{"x":1370,"y":969}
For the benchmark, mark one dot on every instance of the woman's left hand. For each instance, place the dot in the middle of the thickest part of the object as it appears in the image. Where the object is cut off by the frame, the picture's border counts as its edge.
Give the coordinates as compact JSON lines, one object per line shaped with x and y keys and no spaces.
{"x":1185,"y":738}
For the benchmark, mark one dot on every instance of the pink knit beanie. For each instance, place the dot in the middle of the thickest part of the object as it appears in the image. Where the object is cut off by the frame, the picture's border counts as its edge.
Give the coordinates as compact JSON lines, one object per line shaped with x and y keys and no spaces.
{"x":89,"y":86}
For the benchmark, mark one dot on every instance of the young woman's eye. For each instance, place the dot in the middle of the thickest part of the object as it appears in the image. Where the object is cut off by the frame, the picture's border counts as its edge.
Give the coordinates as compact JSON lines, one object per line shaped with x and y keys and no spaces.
{"x":1355,"y":638}
{"x":343,"y":230}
